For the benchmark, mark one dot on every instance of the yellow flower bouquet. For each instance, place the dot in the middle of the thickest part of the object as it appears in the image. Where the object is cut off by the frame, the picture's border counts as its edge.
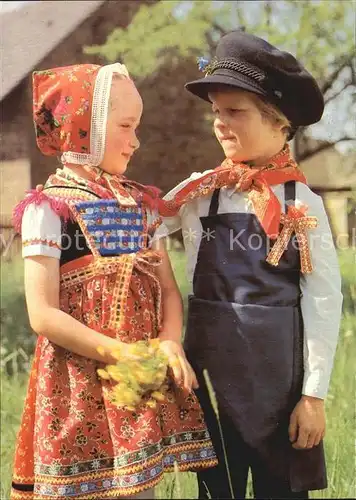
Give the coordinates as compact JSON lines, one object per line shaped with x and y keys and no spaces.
{"x":139,"y":374}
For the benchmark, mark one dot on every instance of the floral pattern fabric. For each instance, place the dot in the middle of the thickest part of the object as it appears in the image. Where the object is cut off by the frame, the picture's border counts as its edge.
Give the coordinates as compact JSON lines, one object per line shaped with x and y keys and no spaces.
{"x":73,"y":443}
{"x":62,"y":102}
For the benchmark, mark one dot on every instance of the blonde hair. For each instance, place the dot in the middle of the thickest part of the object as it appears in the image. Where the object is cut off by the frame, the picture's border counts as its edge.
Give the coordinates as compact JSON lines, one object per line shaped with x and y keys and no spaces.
{"x":120,"y":76}
{"x":116,"y":77}
{"x":272,"y":113}
{"x":269,"y":111}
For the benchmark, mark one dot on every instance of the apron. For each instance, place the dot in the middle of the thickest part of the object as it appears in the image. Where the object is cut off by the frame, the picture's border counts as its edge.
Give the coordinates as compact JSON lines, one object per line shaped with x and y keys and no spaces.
{"x":73,"y":442}
{"x":245,"y":327}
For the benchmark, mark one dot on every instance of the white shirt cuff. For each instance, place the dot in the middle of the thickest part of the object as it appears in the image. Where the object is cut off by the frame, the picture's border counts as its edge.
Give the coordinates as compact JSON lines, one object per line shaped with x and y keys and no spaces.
{"x":315,"y":384}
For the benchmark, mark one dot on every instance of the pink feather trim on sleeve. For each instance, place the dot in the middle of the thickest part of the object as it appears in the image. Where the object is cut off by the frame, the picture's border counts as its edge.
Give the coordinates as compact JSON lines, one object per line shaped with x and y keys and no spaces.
{"x":60,"y":207}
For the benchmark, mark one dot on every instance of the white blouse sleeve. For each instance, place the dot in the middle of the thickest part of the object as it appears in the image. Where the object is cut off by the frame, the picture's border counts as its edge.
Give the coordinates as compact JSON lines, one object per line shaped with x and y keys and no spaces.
{"x":41,"y":231}
{"x":321,"y":301}
{"x":172,"y":224}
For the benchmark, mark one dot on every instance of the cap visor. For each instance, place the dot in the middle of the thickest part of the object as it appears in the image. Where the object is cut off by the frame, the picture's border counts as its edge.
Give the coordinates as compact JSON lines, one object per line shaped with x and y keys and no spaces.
{"x":203,"y":86}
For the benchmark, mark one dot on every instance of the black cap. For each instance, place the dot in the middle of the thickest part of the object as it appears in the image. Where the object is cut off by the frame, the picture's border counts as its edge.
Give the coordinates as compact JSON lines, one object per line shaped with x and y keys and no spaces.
{"x":250,"y":63}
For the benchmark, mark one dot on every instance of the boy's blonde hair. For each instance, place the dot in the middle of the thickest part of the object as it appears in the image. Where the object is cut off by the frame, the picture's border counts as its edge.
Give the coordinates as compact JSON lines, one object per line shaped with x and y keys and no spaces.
{"x":272,"y":113}
{"x":269,"y":111}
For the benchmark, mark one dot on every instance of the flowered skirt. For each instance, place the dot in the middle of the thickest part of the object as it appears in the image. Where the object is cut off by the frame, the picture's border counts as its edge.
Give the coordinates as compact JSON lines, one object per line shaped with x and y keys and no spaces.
{"x":72,"y":441}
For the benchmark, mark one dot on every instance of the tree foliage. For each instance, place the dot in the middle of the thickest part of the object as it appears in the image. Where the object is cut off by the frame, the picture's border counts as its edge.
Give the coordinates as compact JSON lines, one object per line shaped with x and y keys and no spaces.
{"x":154,"y":30}
{"x":320,"y":33}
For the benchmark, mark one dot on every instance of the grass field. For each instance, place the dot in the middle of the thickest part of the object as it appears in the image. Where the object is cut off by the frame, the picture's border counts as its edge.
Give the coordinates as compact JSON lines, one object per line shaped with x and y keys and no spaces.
{"x":340,"y":404}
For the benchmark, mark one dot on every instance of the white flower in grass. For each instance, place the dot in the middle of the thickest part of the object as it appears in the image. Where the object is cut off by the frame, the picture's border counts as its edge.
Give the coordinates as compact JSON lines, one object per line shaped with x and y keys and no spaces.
{"x":188,"y":435}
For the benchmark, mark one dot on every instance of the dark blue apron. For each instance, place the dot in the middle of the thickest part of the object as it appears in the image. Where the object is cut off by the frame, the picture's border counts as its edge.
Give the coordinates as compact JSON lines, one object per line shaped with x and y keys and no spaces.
{"x":245,"y":327}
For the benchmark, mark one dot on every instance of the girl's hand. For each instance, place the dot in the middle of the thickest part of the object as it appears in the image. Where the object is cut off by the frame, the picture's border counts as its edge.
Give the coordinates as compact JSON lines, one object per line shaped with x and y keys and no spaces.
{"x":307,"y":423}
{"x":183,"y":373}
{"x":39,"y":187}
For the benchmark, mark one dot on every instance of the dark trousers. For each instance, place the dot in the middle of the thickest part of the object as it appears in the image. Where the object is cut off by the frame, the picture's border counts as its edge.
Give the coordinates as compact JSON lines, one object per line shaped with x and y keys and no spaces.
{"x":213,"y":483}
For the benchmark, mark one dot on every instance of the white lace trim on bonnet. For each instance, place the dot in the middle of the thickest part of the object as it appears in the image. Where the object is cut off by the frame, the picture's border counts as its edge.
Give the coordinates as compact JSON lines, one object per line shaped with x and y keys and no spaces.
{"x":99,"y":116}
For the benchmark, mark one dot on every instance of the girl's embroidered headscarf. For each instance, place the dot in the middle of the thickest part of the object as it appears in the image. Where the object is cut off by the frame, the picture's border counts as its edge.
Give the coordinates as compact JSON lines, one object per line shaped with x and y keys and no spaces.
{"x":70,"y":109}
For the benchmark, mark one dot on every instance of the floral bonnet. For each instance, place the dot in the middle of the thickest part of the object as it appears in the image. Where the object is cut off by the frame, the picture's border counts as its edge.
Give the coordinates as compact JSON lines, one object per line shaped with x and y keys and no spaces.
{"x":70,"y":108}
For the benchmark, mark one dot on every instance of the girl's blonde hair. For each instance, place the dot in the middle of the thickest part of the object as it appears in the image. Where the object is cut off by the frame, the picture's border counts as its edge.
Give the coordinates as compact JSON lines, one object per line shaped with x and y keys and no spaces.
{"x":116,"y":77}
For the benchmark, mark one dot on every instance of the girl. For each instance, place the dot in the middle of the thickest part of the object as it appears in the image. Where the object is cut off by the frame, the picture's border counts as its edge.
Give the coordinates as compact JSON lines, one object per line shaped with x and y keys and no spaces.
{"x":91,"y":279}
{"x":265,"y":309}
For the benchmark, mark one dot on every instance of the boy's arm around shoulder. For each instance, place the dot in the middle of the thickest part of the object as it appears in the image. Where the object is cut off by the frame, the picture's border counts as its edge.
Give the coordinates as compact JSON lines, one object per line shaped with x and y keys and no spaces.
{"x":172,"y":224}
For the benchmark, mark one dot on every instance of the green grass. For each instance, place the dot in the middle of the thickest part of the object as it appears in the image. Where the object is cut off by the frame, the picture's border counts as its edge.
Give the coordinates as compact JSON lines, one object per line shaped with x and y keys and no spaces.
{"x":13,"y":390}
{"x":340,"y":404}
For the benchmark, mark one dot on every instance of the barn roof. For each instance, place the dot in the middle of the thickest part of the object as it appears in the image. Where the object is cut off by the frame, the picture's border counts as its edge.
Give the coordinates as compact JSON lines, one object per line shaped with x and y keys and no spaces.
{"x":40,"y":26}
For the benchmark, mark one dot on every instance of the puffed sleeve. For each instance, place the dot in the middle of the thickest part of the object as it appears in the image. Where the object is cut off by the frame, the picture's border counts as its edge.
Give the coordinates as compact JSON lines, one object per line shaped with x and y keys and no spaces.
{"x":321,"y":300}
{"x":41,"y":231}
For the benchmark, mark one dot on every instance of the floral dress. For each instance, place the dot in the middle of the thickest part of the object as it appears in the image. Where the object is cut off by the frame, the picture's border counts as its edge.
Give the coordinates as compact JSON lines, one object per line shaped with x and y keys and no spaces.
{"x":73,"y":443}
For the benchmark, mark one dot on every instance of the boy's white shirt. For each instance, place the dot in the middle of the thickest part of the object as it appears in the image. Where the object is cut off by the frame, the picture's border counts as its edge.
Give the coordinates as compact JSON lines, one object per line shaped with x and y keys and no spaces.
{"x":321,"y":298}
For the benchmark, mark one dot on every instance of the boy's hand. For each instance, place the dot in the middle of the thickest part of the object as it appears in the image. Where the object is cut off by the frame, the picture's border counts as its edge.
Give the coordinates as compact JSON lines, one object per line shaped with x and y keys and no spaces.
{"x":183,"y":373}
{"x":307,"y":423}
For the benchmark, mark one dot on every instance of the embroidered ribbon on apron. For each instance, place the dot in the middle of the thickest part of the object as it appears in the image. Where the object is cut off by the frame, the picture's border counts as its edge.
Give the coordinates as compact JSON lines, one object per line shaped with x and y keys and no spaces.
{"x":295,"y":221}
{"x":145,"y":261}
